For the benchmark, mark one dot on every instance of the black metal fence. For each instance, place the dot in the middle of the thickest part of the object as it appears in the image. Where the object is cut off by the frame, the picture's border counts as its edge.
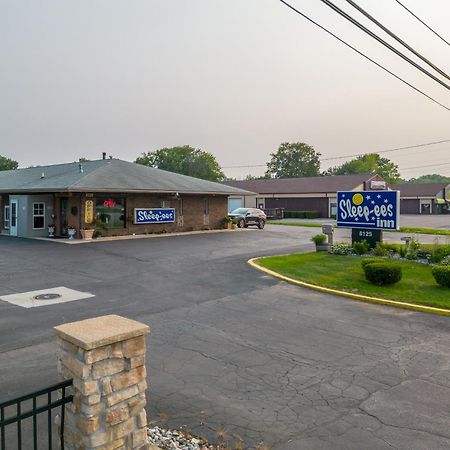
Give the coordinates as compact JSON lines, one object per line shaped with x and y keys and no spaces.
{"x":39,"y":432}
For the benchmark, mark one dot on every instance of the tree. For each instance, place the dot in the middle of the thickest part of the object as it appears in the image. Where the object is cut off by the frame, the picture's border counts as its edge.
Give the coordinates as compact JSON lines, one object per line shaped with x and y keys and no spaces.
{"x":250,"y":177}
{"x":185,"y":160}
{"x":431,"y":178}
{"x":369,"y":163}
{"x":293,"y":160}
{"x":8,"y":164}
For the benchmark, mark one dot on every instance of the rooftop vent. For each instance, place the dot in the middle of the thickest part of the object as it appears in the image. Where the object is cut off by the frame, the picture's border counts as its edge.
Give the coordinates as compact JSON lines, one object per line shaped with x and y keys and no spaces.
{"x":42,"y":175}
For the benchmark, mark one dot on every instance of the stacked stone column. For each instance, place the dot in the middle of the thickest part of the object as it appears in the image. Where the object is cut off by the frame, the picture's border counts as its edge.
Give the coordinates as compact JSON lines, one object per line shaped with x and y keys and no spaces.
{"x":105,"y":356}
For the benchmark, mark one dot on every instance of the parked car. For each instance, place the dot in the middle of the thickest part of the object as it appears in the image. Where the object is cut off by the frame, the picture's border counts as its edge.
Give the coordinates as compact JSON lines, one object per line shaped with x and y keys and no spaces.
{"x":244,"y":217}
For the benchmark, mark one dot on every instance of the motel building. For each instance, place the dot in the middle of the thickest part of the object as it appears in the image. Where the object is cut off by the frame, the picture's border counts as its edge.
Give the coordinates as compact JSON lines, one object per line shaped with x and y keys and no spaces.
{"x":112,"y":196}
{"x":317,"y":194}
{"x":426,"y":198}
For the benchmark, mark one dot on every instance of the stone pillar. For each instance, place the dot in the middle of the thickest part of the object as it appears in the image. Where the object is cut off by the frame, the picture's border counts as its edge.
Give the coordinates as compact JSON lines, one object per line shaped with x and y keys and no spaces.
{"x":105,"y":356}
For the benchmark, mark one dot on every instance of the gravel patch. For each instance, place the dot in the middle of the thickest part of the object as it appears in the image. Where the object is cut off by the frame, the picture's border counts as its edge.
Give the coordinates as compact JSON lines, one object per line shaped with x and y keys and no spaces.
{"x":177,"y":440}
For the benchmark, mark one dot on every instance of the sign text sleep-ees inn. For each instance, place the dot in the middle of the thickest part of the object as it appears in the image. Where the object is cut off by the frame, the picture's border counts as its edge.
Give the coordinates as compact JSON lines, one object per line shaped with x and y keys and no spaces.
{"x":154,"y":215}
{"x":368,"y":209}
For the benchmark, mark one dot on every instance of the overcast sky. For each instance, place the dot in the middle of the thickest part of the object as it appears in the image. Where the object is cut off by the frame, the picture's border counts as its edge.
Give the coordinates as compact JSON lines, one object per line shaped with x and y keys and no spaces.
{"x":232,"y":77}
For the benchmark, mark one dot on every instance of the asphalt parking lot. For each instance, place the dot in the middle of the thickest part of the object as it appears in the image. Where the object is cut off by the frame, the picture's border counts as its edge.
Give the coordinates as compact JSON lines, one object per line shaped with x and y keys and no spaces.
{"x":234,"y":351}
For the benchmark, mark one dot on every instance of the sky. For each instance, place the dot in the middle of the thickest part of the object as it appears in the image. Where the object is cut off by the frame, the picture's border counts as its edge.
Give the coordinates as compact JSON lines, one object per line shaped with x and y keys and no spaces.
{"x":233,"y":77}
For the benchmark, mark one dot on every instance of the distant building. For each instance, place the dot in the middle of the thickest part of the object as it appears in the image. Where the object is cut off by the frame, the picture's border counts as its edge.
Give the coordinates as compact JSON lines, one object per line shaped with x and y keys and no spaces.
{"x":113,"y":197}
{"x":301,"y":194}
{"x":429,"y":198}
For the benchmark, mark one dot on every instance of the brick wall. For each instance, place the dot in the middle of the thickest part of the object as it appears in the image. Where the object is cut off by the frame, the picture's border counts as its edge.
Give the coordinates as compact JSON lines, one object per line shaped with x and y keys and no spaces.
{"x":193,"y":217}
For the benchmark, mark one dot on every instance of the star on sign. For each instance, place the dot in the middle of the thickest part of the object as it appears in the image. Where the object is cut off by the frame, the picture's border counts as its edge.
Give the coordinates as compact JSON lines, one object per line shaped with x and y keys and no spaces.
{"x":368,"y":197}
{"x":356,"y":219}
{"x":378,"y":196}
{"x":373,"y":202}
{"x":386,"y":200}
{"x":373,"y":218}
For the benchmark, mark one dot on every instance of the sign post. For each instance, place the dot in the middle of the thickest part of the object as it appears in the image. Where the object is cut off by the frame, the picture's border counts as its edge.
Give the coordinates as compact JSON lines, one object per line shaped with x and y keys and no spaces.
{"x":368,"y":213}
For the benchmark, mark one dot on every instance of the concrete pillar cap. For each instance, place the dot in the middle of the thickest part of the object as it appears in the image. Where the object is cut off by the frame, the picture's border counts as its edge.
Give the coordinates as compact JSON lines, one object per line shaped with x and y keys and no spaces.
{"x":99,"y":331}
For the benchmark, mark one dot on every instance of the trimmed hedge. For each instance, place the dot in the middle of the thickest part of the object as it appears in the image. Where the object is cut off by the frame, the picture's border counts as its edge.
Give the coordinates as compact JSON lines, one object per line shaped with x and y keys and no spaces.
{"x":442,"y":275}
{"x":301,"y":214}
{"x":366,"y":261}
{"x":381,"y":273}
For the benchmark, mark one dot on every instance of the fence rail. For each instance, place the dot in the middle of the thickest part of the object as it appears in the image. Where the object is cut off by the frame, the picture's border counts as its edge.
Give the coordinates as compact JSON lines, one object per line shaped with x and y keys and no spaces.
{"x":21,"y":413}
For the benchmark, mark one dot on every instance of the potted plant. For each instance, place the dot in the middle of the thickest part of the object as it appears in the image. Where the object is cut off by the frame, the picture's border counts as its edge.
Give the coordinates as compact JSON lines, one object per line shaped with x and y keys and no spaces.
{"x":87,"y":233}
{"x":71,"y":231}
{"x":51,"y":230}
{"x":321,"y":242}
{"x":228,"y":223}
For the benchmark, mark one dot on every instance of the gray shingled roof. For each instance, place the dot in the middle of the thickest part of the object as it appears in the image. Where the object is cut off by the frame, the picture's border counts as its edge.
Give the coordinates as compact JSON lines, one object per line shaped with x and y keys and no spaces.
{"x":419,"y":189}
{"x":306,"y":185}
{"x":110,"y":175}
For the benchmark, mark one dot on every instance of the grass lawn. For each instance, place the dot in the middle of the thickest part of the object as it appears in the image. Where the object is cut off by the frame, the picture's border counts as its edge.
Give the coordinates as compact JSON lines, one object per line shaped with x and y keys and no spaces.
{"x":345,"y":273}
{"x":411,"y":230}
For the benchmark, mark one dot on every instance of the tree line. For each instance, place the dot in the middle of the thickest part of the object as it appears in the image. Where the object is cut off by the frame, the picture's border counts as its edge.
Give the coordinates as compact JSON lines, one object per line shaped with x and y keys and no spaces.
{"x":291,"y":160}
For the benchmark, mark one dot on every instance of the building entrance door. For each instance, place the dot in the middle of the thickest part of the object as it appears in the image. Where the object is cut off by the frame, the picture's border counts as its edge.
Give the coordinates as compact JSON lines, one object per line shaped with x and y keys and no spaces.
{"x":64,"y":222}
{"x":13,"y":207}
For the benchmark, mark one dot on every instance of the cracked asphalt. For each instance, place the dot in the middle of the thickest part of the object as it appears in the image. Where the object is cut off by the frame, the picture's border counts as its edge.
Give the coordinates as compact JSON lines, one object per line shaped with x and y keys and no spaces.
{"x":233,"y":352}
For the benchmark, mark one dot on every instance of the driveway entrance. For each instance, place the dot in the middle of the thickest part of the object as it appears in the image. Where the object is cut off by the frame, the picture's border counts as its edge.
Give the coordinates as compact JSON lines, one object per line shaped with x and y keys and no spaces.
{"x":233,"y":352}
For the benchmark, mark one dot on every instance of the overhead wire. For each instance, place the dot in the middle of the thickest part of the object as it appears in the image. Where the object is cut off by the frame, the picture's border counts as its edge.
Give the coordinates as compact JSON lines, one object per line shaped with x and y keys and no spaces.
{"x":423,"y":23}
{"x":397,"y":38}
{"x":366,"y":30}
{"x":364,"y":55}
{"x":426,"y":144}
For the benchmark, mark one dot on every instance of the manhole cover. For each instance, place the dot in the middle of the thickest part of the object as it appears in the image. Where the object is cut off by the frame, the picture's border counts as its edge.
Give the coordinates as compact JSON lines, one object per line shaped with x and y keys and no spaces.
{"x":49,"y":296}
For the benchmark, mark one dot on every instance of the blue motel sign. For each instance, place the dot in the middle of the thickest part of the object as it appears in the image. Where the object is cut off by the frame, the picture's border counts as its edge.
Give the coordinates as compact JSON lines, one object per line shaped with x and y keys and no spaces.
{"x":368,"y":209}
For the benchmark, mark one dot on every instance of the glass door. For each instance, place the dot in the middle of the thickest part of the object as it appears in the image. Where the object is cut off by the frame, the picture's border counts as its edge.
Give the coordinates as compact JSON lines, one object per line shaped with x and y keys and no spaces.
{"x":6,"y":218}
{"x":13,"y":218}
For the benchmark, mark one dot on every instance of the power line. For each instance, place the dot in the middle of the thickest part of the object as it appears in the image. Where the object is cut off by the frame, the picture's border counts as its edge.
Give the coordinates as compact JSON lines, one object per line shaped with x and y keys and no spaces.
{"x":383,"y":42}
{"x":398,"y":39}
{"x":429,"y":165}
{"x":364,"y":55}
{"x":421,"y":21}
{"x":390,"y":150}
{"x":426,"y":144}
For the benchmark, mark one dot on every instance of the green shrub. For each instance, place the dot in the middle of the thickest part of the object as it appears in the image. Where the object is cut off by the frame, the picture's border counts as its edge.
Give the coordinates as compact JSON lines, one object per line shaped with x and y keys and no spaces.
{"x":312,"y":214}
{"x":439,"y":253}
{"x":379,"y":250}
{"x":361,"y":248}
{"x":381,"y":273}
{"x":402,"y":251}
{"x":423,"y":253}
{"x":366,"y":261}
{"x":392,"y":248}
{"x":442,"y":275}
{"x":319,"y":239}
{"x":341,"y":248}
{"x":301,"y":214}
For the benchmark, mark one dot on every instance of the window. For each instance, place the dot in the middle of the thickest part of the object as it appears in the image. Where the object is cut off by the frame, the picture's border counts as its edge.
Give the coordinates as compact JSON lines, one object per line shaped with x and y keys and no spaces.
{"x":6,"y":218}
{"x":110,"y":212}
{"x":165,"y":204}
{"x":206,"y":206}
{"x":38,"y":216}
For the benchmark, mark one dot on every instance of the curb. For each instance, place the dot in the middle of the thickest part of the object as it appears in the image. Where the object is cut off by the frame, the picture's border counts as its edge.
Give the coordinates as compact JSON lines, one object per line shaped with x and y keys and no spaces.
{"x":363,"y":298}
{"x":130,"y":237}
